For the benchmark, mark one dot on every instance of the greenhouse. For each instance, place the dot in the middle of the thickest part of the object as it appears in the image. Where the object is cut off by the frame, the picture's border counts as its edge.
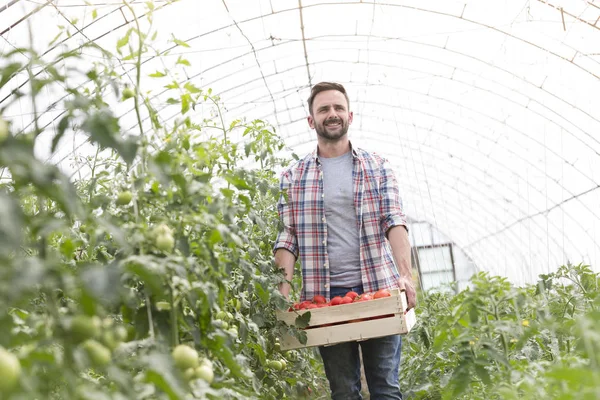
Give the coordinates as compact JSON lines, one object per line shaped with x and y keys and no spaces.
{"x":142,"y":150}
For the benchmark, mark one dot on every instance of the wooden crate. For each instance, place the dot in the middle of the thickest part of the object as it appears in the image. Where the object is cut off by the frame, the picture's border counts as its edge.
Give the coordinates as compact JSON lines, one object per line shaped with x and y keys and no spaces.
{"x":352,"y":322}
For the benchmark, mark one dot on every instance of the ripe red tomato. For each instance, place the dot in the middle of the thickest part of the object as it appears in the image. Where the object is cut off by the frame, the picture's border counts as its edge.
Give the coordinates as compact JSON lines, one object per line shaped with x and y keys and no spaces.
{"x":335,"y":301}
{"x":352,"y":295}
{"x":346,"y":300}
{"x":318,"y":299}
{"x":381,"y":293}
{"x":365,"y":297}
{"x":323,"y":305}
{"x":310,"y":306}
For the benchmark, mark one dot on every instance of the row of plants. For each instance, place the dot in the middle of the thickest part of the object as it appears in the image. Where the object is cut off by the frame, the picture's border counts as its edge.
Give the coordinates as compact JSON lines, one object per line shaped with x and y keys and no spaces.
{"x":498,"y":341}
{"x":151,"y":275}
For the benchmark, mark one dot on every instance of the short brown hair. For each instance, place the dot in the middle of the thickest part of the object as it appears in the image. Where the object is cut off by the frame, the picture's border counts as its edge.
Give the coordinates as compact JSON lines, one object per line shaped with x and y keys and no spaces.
{"x":323,"y":86}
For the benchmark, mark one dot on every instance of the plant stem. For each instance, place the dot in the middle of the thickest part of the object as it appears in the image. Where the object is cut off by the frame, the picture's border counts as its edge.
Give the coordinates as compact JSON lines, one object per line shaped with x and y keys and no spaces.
{"x":149,"y":312}
{"x":174,"y":326}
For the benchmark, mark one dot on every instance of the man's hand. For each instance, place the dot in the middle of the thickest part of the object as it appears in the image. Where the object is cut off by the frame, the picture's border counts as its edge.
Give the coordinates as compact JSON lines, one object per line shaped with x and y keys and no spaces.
{"x":407,"y":285}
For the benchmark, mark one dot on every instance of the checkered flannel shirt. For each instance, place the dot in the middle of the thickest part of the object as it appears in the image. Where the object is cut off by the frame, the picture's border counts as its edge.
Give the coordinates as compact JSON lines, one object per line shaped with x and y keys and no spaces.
{"x":378,"y":208}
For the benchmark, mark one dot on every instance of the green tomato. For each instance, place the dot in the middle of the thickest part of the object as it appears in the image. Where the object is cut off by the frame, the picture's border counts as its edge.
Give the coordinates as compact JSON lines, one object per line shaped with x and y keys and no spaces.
{"x":207,"y":362}
{"x":274,"y":364}
{"x":189,"y":374}
{"x":283,"y":363}
{"x":277,"y":346}
{"x":185,"y":357}
{"x":165,"y":243}
{"x":220,"y":324}
{"x":121,"y":333}
{"x":109,"y":340}
{"x":205,"y":373}
{"x":10,"y":371}
{"x":233,"y":331}
{"x":224,"y":315}
{"x":98,"y":354}
{"x":128,"y":93}
{"x":163,"y":305}
{"x":3,"y":130}
{"x":161,"y":229}
{"x":84,"y":327}
{"x":124,"y":198}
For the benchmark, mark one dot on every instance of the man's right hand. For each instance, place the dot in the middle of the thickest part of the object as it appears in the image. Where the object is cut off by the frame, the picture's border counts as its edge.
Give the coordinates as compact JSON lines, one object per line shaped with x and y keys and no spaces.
{"x":407,"y":285}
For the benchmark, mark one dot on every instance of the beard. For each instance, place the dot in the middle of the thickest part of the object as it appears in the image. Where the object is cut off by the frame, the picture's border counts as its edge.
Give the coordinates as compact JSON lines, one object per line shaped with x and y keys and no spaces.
{"x":332,"y":135}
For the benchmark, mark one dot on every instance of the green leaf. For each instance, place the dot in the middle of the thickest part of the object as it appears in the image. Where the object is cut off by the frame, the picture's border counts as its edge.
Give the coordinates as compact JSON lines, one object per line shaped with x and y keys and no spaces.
{"x":102,"y":282}
{"x":94,"y":13}
{"x":103,"y":128}
{"x":67,"y":248}
{"x":302,"y":320}
{"x":190,"y":87}
{"x":179,"y":42}
{"x":145,"y":268}
{"x":219,"y":346}
{"x":302,"y":337}
{"x":262,"y":293}
{"x":185,"y":103}
{"x":237,"y":182}
{"x":160,"y":373}
{"x":58,"y":35}
{"x":483,"y":374}
{"x":157,"y":74}
{"x":183,"y":61}
{"x":63,"y":124}
{"x":123,"y":41}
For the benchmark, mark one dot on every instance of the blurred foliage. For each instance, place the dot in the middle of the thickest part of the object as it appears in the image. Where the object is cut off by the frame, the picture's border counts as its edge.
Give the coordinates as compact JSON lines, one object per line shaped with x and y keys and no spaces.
{"x":165,"y":238}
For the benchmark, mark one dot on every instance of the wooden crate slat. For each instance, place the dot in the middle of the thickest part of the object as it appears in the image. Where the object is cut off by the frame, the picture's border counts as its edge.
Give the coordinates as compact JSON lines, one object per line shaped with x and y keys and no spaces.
{"x":398,"y":324}
{"x":385,"y":317}
{"x":348,"y":312}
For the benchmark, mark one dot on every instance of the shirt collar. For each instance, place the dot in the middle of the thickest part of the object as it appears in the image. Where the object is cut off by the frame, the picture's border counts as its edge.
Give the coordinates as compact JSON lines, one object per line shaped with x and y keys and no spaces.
{"x":315,"y":155}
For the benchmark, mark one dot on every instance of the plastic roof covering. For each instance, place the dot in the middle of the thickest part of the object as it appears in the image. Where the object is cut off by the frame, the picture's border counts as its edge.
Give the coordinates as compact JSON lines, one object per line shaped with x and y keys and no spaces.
{"x":488,"y":110}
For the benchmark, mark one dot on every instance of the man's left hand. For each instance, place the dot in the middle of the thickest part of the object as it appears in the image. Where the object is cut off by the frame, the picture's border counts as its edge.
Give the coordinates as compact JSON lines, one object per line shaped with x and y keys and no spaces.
{"x":407,"y":285}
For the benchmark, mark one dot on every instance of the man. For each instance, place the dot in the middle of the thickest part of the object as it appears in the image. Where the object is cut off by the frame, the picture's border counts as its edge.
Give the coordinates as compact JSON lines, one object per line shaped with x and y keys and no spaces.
{"x":342,"y":215}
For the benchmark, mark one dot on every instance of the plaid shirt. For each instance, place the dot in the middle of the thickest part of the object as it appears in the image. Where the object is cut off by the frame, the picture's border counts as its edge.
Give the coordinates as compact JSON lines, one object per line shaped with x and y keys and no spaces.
{"x":378,"y":208}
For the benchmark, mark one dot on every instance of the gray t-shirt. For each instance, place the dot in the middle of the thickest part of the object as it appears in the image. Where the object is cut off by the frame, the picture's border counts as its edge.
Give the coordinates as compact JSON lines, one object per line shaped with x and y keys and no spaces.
{"x":343,"y":245}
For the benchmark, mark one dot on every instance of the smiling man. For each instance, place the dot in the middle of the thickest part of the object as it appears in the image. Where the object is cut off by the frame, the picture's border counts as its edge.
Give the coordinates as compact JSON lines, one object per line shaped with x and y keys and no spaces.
{"x":341,"y":213}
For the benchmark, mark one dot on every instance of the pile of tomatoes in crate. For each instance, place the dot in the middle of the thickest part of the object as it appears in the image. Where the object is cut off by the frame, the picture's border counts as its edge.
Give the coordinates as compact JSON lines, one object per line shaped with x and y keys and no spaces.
{"x":351,"y":297}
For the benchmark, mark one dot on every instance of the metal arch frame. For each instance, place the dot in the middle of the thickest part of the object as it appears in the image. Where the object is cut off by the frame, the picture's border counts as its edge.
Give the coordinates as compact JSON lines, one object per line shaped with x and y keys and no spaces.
{"x":397,"y":5}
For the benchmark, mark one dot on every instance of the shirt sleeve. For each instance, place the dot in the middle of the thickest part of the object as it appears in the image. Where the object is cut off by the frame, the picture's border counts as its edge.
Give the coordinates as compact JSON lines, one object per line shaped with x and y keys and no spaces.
{"x":287,"y":234}
{"x":392,"y":213}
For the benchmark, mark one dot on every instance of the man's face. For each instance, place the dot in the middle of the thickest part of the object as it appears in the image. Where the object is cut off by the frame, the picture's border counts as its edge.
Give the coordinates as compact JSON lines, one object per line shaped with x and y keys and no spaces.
{"x":330,"y":115}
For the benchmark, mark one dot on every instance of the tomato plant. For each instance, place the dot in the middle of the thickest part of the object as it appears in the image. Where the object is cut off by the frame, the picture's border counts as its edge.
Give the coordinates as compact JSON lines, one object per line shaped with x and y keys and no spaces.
{"x":499,"y":341}
{"x":150,"y":275}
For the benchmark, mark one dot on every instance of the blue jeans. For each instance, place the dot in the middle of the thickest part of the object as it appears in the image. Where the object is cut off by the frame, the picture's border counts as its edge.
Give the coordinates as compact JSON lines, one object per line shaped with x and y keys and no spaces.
{"x":381,"y":360}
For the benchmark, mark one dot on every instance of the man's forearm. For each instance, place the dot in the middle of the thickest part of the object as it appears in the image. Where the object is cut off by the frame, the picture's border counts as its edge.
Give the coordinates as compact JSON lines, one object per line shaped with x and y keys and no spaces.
{"x":398,"y":238}
{"x":285,"y":260}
